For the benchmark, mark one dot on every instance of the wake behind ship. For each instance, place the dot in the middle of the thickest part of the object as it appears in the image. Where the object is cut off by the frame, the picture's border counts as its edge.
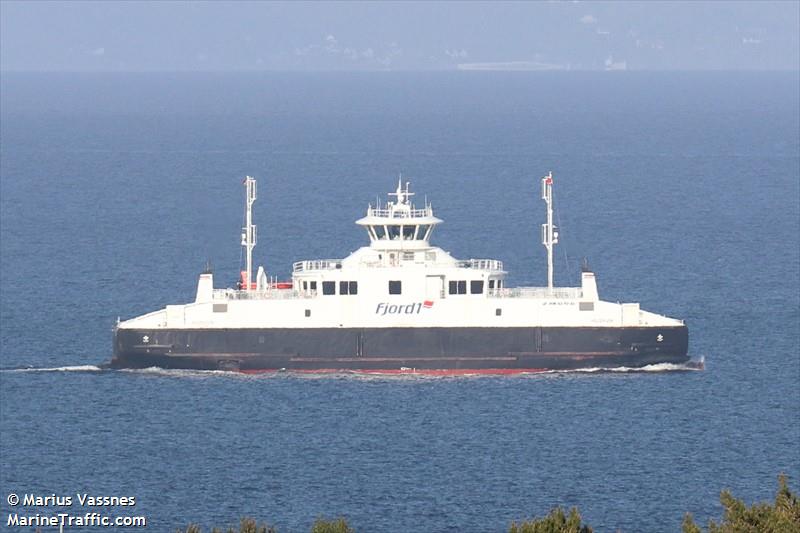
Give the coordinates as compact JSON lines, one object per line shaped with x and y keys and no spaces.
{"x":399,"y":305}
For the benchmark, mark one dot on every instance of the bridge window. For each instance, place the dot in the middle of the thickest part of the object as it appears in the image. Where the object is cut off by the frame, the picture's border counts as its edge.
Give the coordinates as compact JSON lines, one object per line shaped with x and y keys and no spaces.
{"x":348,"y":287}
{"x":422,"y":231}
{"x":395,"y":287}
{"x":328,"y":287}
{"x":476,"y":286}
{"x":393,"y":232}
{"x":380,"y":231}
{"x":408,"y":232}
{"x":457,"y":287}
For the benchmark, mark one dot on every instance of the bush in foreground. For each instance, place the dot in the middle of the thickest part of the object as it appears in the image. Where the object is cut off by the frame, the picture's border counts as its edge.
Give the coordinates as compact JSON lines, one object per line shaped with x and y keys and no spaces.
{"x":331,"y":526}
{"x":246,"y":525}
{"x":782,"y":517}
{"x":555,"y":522}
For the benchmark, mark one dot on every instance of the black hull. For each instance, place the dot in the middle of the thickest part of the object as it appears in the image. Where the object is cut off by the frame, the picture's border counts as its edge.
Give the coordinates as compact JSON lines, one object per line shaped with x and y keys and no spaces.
{"x":460,"y":350}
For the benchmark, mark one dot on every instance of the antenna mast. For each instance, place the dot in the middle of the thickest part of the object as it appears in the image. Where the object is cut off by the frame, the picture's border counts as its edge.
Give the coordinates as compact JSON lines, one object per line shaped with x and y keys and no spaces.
{"x":249,"y":231}
{"x":549,"y":235}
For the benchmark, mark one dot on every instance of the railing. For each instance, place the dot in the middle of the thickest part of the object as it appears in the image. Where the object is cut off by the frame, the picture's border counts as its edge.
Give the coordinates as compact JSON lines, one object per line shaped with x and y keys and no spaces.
{"x":481,"y":264}
{"x":317,"y":264}
{"x":569,"y":293}
{"x":400,"y":213}
{"x":268,"y":294}
{"x":336,"y":264}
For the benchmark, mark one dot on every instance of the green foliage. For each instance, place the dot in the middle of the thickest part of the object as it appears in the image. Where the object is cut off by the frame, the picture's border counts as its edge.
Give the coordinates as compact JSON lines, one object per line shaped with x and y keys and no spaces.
{"x":331,"y":526}
{"x":688,"y":525}
{"x":782,"y":517}
{"x":247,"y":525}
{"x":555,"y":522}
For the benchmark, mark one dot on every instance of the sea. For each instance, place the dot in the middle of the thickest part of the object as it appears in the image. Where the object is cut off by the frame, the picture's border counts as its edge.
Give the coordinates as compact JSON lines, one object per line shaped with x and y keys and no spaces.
{"x":680,"y":190}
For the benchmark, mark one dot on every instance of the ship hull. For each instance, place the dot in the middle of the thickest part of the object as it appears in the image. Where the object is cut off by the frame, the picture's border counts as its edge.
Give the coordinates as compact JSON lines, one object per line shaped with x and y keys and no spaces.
{"x":400,"y":350}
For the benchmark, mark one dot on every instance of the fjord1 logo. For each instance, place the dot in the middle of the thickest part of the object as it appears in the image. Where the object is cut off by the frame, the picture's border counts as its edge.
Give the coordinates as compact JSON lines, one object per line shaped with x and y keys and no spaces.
{"x":402,"y":309}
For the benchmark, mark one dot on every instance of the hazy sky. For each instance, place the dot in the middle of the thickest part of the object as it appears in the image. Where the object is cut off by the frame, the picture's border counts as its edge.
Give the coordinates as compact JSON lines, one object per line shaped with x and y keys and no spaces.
{"x":198,"y":36}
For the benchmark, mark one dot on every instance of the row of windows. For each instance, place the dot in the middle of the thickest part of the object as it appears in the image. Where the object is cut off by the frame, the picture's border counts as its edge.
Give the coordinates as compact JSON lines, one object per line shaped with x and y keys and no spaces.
{"x":475,"y":286}
{"x":345,"y":287}
{"x":404,"y":232}
{"x":396,"y":286}
{"x":497,"y":312}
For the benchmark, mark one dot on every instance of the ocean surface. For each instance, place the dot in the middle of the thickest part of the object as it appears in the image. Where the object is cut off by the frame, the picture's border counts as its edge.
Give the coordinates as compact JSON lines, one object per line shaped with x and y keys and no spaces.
{"x":681,"y":190}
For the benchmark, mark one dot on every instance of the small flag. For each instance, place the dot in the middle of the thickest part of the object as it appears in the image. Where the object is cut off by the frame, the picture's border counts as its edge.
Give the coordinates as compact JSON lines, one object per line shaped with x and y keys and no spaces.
{"x":548,"y":180}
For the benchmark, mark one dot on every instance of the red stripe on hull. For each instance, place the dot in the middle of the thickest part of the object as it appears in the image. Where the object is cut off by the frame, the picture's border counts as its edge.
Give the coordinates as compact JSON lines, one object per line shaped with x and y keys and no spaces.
{"x":409,"y":371}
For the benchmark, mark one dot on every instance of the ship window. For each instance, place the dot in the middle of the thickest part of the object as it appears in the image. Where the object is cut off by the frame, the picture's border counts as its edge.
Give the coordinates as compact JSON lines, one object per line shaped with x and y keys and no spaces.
{"x":457,"y":287}
{"x":408,"y":232}
{"x":430,"y":256}
{"x":393,"y":232}
{"x":313,"y":285}
{"x":476,"y":286}
{"x":328,"y":287}
{"x":395,"y":287}
{"x":586,"y":306}
{"x":220,"y":308}
{"x":491,"y":284}
{"x":371,"y":231}
{"x":308,"y":312}
{"x":348,"y":287}
{"x":422,"y":229}
{"x":498,"y":312}
{"x":380,"y":231}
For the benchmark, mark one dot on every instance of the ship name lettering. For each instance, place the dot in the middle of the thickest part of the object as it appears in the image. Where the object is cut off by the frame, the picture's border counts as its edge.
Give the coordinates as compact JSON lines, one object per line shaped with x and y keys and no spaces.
{"x":393,"y":309}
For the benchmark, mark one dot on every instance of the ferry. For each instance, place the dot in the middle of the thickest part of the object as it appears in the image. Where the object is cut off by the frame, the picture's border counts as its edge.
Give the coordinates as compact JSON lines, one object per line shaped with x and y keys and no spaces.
{"x":399,"y":305}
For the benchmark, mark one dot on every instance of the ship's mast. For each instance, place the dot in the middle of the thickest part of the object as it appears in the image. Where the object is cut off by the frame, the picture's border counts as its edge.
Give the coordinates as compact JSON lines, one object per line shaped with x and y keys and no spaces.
{"x":249,"y":231}
{"x":549,"y":235}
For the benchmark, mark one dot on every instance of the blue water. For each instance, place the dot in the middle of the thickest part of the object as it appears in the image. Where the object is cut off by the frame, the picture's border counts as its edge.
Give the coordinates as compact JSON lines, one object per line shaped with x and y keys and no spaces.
{"x":681,"y":189}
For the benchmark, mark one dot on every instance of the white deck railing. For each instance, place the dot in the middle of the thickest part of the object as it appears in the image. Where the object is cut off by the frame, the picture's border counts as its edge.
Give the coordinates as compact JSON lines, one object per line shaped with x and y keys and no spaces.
{"x":400,"y":213}
{"x":335,"y":264}
{"x":571,"y":293}
{"x":317,"y":264}
{"x":268,"y":294}
{"x":481,"y":264}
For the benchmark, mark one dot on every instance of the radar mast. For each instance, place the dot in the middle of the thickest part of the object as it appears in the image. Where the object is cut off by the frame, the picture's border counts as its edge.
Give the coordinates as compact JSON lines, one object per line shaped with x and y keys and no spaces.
{"x":549,"y":235}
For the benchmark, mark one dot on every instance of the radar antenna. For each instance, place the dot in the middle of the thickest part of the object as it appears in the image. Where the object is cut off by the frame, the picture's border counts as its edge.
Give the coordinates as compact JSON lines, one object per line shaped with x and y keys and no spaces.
{"x":549,"y":235}
{"x":249,"y":230}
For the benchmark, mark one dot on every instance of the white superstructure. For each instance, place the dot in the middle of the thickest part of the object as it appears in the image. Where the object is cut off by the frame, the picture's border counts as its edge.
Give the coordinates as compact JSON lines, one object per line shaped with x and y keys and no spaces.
{"x":399,"y":280}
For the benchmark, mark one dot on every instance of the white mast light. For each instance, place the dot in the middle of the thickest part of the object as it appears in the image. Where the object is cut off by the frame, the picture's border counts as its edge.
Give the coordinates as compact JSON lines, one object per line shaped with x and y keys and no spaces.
{"x":249,"y":231}
{"x":549,"y":235}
